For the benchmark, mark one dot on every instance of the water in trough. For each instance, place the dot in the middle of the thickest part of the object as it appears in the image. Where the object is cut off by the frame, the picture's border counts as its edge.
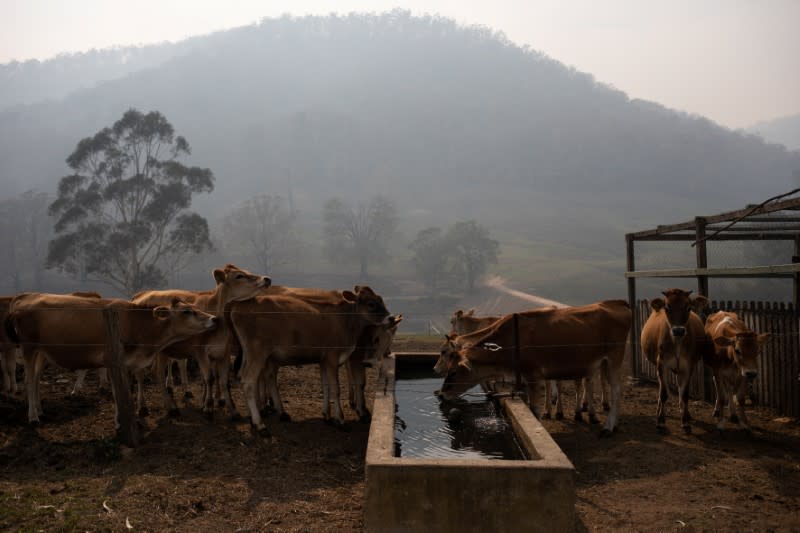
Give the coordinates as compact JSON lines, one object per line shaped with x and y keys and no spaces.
{"x":471,"y":428}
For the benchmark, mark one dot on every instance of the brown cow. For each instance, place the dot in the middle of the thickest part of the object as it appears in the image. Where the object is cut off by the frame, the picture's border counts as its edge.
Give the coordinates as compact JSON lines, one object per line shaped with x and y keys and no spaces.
{"x":734,"y":361}
{"x":562,"y":343}
{"x":275,"y":329}
{"x":208,"y":348}
{"x":463,"y":323}
{"x":70,"y":332}
{"x":673,"y":339}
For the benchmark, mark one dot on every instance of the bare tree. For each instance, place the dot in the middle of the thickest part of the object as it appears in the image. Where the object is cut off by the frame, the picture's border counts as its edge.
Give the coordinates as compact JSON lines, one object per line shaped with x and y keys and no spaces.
{"x":25,"y":229}
{"x":363,"y":232}
{"x":264,"y":227}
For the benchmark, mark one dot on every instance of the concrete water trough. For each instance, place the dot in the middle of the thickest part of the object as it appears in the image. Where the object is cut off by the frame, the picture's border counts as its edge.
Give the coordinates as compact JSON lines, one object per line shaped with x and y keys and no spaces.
{"x":535,"y":493}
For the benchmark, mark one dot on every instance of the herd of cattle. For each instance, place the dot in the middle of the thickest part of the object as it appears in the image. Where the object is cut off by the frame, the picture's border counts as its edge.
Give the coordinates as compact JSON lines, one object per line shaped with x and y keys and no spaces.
{"x":265,"y":327}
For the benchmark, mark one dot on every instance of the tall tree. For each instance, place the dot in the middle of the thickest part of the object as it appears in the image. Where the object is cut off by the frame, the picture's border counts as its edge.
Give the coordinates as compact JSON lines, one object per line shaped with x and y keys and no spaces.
{"x":473,"y":249}
{"x":123,"y":211}
{"x":264,"y":227}
{"x":363,"y":232}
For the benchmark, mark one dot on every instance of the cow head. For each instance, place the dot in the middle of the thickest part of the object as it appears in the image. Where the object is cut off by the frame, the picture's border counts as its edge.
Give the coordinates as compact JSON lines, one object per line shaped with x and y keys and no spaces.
{"x":678,"y":306}
{"x":379,"y":341}
{"x":239,"y":284}
{"x":369,"y":305}
{"x":184,"y":319}
{"x":449,"y":347}
{"x":744,"y":348}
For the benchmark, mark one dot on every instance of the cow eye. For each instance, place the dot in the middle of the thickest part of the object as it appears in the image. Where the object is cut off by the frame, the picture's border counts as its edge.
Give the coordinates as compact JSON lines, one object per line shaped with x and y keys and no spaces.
{"x":239,"y":276}
{"x":187,"y":311}
{"x":738,"y":350}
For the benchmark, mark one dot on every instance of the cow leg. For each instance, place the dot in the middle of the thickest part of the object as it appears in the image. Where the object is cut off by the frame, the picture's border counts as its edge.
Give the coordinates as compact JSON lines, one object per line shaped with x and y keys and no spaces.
{"x":603,"y":387}
{"x":223,"y":366}
{"x":8,"y":362}
{"x":80,"y":378}
{"x":357,"y":378}
{"x":183,"y":368}
{"x":663,"y":396}
{"x":330,"y":386}
{"x":588,"y":384}
{"x":250,"y":373}
{"x":204,"y":363}
{"x":141,"y":406}
{"x":166,"y":391}
{"x":547,"y":406}
{"x":718,"y":400}
{"x":614,"y":383}
{"x":275,"y":393}
{"x":104,"y":383}
{"x":170,"y":383}
{"x":741,"y":395}
{"x":683,"y":393}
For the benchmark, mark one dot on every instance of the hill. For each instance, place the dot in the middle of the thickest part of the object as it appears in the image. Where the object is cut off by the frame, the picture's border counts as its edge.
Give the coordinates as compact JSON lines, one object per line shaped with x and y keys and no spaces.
{"x":784,"y":130}
{"x":451,"y":122}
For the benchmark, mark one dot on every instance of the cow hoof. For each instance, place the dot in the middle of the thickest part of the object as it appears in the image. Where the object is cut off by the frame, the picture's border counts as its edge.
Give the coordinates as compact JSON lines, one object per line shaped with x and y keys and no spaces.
{"x":662,"y":429}
{"x":593,"y":419}
{"x":365,"y":419}
{"x":209,"y":415}
{"x":606,"y":407}
{"x":235,"y":417}
{"x":605,"y":433}
{"x":717,"y":413}
{"x":284,"y":417}
{"x":546,"y":416}
{"x":143,"y":412}
{"x":34,"y":423}
{"x":578,"y":416}
{"x":220,"y":403}
{"x":341,"y":426}
{"x":188,"y":394}
{"x":734,"y":419}
{"x":264,"y":433}
{"x":559,"y":416}
{"x":585,"y":407}
{"x":174,"y":412}
{"x":169,"y":391}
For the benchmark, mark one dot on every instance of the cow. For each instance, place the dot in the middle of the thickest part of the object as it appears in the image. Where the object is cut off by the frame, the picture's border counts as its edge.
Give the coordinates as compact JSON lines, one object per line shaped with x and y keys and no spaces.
{"x":283,"y":329}
{"x":733,"y":361}
{"x":70,"y":332}
{"x":673,"y":339}
{"x":554,"y":343}
{"x":463,"y":323}
{"x":374,"y":344}
{"x":8,"y":353}
{"x":208,"y":348}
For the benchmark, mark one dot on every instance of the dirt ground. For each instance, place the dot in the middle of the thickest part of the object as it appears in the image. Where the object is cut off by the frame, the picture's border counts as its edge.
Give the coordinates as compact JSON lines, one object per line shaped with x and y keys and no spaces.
{"x":191,"y":474}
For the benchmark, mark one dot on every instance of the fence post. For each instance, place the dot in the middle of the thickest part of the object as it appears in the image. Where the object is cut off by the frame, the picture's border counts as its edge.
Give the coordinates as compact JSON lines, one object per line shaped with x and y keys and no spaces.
{"x":634,"y":334}
{"x":128,"y":430}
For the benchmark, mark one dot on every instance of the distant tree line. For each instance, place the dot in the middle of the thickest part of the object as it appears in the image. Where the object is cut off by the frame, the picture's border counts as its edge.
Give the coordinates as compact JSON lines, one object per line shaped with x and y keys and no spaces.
{"x":122,"y":218}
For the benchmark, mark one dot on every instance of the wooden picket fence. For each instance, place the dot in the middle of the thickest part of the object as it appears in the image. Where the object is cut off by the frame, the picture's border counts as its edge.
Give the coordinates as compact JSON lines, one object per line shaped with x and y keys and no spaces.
{"x":778,"y":383}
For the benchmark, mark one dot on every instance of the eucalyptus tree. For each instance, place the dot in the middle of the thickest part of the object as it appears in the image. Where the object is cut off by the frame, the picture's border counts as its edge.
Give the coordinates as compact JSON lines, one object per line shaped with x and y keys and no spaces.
{"x":123,"y":212}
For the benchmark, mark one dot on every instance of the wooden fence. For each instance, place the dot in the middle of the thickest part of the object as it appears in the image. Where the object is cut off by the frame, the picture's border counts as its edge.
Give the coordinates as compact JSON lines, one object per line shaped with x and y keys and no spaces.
{"x":778,"y":382}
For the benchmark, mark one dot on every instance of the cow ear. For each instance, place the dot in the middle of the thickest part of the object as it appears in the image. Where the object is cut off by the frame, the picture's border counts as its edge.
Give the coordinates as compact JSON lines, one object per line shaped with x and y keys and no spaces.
{"x":464,"y":362}
{"x":763,"y":338}
{"x":724,"y":341}
{"x":471,"y":312}
{"x":656,"y":303}
{"x":350,"y":296}
{"x":398,"y":319}
{"x":459,"y":313}
{"x":161,"y":312}
{"x":219,"y":276}
{"x":699,"y":303}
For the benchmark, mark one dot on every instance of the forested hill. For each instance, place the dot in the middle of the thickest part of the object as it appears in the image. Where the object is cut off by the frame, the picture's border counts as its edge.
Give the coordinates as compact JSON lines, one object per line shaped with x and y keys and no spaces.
{"x":451,"y":122}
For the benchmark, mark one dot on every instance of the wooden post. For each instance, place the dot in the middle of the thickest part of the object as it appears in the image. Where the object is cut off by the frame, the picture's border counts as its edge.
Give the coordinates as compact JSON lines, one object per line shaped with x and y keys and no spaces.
{"x":517,"y":374}
{"x":128,"y":430}
{"x":630,"y":265}
{"x":702,"y":254}
{"x":796,"y":276}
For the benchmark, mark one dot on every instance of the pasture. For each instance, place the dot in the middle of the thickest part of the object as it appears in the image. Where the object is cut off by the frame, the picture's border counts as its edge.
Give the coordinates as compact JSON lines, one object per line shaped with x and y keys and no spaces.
{"x":194,"y":475}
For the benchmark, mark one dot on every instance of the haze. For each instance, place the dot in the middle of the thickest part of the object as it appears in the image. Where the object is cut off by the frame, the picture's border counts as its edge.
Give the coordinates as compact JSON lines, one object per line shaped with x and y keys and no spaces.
{"x":732,"y":61}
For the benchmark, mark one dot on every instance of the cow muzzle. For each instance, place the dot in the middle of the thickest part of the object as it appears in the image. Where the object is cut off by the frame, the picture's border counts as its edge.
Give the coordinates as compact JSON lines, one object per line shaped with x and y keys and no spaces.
{"x":678,"y":331}
{"x":749,"y":374}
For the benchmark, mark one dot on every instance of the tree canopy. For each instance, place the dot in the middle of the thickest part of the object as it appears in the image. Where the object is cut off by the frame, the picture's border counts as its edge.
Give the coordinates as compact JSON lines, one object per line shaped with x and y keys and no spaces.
{"x":123,"y":212}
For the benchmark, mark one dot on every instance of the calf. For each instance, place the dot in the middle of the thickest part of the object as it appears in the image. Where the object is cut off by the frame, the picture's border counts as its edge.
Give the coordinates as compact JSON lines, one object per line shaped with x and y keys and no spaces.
{"x":673,"y":338}
{"x":733,"y":361}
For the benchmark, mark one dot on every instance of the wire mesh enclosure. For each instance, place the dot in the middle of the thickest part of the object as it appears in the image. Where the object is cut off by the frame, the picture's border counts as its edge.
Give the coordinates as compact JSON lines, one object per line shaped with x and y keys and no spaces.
{"x":747,"y":261}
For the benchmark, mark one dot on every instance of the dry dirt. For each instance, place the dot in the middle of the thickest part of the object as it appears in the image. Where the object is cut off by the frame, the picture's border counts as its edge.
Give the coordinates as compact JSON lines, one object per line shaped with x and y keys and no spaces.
{"x":190,"y":474}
